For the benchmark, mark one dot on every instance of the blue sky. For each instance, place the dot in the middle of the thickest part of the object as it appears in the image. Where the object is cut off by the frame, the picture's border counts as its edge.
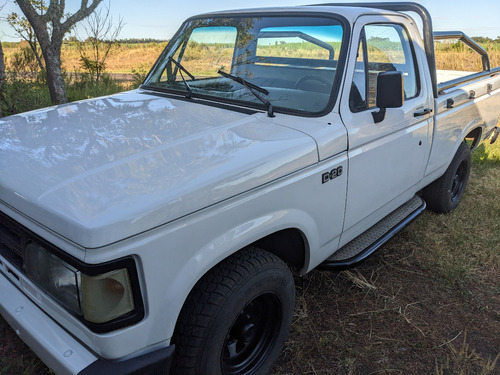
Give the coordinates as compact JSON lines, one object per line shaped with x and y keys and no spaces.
{"x":161,"y":18}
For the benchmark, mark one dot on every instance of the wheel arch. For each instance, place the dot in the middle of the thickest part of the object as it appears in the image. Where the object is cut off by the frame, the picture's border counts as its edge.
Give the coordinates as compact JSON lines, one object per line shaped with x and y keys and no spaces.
{"x":290,"y":245}
{"x":473,"y":137}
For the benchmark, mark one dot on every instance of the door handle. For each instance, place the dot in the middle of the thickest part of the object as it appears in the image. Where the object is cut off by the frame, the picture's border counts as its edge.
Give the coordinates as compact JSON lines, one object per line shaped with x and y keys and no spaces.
{"x":422,"y":112}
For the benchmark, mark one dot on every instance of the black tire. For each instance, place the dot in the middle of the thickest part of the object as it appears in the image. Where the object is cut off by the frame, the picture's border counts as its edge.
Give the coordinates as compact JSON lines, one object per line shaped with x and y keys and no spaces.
{"x":445,"y":194}
{"x":237,"y":318}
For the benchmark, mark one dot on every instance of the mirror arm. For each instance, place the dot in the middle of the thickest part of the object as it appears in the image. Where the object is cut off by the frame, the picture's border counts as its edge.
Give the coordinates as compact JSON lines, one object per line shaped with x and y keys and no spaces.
{"x":379,"y":116}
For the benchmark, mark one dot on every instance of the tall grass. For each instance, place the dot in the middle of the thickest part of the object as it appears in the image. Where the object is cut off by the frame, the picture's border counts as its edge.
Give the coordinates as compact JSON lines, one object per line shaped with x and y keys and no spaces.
{"x":123,"y":59}
{"x":457,"y":56}
{"x":22,"y":94}
{"x":129,"y":57}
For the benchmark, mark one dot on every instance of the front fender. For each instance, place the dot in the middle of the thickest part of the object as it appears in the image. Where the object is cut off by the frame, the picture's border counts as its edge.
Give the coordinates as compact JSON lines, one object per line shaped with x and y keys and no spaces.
{"x":195,"y":244}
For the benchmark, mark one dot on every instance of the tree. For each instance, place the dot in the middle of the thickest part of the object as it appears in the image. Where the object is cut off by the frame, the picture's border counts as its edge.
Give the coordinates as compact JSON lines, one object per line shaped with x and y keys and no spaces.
{"x":50,"y":28}
{"x":23,"y":29}
{"x":482,"y":39}
{"x":101,"y":37}
{"x":2,"y":77}
{"x":2,"y":73}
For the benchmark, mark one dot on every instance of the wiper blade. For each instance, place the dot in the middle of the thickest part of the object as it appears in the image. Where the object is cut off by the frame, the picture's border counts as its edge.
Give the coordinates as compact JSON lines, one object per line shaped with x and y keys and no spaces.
{"x":182,"y":69}
{"x":252,"y":88}
{"x":243,"y":82}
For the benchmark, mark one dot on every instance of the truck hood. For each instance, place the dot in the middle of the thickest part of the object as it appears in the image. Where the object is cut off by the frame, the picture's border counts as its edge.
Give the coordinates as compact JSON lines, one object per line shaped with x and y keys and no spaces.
{"x":101,"y":170}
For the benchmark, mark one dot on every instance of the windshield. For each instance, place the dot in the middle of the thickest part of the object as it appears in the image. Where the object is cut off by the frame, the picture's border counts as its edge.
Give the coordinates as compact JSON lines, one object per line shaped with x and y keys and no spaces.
{"x":291,"y":60}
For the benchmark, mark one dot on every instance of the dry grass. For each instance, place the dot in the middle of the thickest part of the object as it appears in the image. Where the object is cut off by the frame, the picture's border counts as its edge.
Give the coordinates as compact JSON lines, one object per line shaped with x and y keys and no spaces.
{"x":127,"y":58}
{"x":464,"y":360}
{"x":465,"y":59}
{"x":124,"y":58}
{"x":428,"y":302}
{"x":206,"y":60}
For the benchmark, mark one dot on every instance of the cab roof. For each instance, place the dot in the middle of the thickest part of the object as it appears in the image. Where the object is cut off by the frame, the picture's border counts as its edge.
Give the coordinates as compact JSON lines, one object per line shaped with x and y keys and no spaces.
{"x":351,"y":13}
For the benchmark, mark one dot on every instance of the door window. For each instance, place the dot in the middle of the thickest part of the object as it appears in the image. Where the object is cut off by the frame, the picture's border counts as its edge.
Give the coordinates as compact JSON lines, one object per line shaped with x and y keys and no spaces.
{"x":382,"y":48}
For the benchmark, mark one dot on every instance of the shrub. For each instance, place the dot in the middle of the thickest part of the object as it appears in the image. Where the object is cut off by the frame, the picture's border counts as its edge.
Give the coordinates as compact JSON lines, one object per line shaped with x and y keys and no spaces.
{"x":85,"y":86}
{"x":21,"y":95}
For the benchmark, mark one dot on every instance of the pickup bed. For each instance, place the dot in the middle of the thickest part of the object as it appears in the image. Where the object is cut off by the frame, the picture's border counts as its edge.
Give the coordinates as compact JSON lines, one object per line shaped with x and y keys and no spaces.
{"x":158,"y":230}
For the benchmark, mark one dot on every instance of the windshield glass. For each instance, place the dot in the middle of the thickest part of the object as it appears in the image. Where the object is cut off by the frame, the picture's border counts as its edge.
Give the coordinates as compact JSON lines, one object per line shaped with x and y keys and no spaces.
{"x":291,"y":60}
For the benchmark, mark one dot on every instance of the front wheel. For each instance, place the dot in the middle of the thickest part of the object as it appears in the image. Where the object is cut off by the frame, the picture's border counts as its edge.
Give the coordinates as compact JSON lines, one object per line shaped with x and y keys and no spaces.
{"x":236,"y":319}
{"x":445,"y":194}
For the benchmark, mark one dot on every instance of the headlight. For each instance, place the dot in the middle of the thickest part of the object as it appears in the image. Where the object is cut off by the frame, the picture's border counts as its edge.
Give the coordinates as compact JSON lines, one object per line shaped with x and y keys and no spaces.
{"x":102,"y":296}
{"x":56,"y":277}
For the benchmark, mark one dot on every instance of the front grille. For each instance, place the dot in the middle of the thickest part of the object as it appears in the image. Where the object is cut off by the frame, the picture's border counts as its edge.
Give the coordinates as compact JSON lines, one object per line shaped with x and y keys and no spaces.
{"x":13,"y":240}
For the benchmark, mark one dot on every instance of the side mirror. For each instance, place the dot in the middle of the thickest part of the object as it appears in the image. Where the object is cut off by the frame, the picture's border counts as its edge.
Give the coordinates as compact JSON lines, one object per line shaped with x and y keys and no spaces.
{"x":390,"y":93}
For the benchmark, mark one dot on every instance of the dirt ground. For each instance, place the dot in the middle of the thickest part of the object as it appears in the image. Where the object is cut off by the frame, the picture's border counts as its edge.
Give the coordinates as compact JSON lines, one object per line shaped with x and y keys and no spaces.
{"x":393,"y":316}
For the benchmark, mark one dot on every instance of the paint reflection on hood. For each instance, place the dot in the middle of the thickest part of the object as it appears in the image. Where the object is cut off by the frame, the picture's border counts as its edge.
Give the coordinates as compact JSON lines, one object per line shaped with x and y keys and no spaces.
{"x":100,"y":170}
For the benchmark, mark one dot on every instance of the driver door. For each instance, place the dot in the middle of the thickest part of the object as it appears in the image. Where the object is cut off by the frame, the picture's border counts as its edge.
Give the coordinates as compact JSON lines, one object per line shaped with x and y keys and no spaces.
{"x":386,"y":159}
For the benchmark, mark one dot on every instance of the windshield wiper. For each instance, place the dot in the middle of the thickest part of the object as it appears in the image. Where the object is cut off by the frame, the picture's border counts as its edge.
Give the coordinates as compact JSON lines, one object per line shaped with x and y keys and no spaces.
{"x":252,"y":88}
{"x":182,"y":69}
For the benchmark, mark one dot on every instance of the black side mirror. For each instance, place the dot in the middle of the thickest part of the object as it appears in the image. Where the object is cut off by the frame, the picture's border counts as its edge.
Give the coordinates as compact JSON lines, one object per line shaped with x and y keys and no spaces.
{"x":390,"y":93}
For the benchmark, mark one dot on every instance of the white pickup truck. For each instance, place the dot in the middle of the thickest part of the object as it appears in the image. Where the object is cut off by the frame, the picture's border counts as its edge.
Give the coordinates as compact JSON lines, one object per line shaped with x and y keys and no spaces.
{"x":157,"y":230}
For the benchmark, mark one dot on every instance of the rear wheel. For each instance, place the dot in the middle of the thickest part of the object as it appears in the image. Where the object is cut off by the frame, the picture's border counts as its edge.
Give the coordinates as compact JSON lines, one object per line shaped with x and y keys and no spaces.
{"x":445,"y":194}
{"x":237,"y":318}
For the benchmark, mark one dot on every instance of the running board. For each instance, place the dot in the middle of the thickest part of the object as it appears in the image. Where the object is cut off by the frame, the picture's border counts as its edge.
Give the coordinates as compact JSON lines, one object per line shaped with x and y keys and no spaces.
{"x":367,"y":243}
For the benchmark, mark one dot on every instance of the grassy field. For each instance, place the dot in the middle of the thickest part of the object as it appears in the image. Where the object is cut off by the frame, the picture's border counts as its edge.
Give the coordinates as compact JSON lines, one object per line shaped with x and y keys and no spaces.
{"x":459,"y":57}
{"x":428,"y":302}
{"x":127,"y":58}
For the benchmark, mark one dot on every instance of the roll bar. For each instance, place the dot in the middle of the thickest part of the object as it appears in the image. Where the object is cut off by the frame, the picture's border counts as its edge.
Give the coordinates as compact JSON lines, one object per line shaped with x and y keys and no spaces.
{"x":445,"y":35}
{"x":429,"y":37}
{"x":301,"y":35}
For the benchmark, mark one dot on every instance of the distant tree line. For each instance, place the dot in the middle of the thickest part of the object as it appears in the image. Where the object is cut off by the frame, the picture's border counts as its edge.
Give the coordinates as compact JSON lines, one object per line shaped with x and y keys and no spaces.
{"x":141,"y":40}
{"x":485,"y":39}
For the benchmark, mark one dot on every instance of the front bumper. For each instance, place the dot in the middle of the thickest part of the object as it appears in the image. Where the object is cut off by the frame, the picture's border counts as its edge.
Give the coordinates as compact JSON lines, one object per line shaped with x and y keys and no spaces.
{"x":153,"y":363}
{"x":58,"y":349}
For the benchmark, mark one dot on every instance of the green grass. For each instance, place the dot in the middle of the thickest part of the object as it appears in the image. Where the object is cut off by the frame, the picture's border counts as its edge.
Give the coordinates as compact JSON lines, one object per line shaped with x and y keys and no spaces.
{"x":22,"y":95}
{"x":85,"y":88}
{"x":466,"y":242}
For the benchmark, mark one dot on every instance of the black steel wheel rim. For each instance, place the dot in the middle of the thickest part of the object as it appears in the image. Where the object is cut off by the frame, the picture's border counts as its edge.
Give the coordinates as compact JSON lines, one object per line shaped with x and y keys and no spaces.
{"x":252,"y":335}
{"x":459,"y":181}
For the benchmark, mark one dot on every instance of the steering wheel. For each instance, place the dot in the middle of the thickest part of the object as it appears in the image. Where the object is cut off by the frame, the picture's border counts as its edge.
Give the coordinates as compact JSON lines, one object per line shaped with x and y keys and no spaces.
{"x":324,"y":84}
